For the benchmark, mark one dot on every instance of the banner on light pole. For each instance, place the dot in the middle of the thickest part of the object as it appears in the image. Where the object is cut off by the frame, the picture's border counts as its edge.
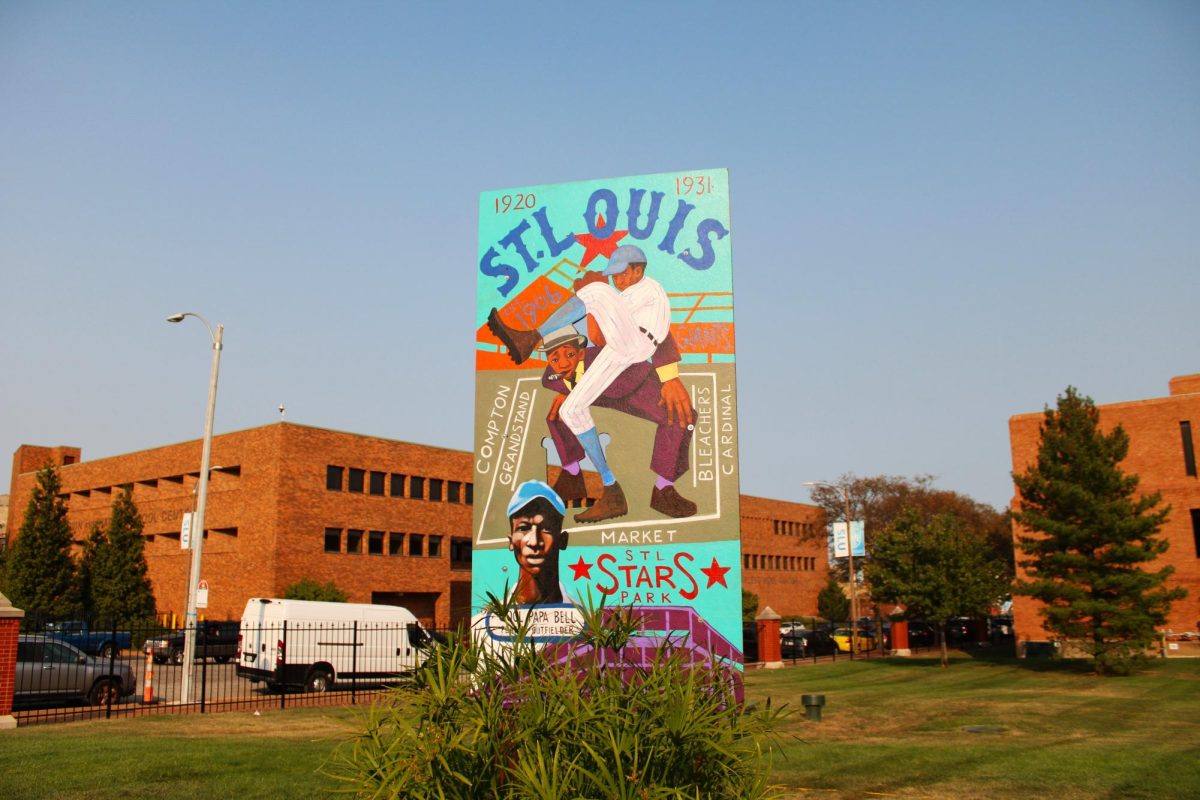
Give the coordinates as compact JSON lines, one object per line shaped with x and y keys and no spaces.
{"x":855,"y":543}
{"x":185,"y":531}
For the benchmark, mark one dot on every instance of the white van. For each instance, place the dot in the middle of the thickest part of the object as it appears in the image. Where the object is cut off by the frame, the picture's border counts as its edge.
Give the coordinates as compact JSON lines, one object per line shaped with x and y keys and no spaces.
{"x":316,"y":644}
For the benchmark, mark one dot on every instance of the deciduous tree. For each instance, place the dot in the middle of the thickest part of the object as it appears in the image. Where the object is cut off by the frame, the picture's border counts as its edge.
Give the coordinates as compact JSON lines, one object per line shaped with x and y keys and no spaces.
{"x":936,"y":570}
{"x":749,"y":605}
{"x":1089,"y":535}
{"x":832,"y":603}
{"x":880,"y":500}
{"x":309,"y":589}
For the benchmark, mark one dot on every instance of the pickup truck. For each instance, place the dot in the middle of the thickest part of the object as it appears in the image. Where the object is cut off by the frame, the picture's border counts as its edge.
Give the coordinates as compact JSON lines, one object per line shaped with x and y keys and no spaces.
{"x":94,"y":642}
{"x":215,"y":640}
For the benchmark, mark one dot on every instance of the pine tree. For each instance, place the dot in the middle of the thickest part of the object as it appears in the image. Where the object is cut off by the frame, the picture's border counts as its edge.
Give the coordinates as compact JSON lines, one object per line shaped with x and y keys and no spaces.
{"x":832,"y":603}
{"x":1092,"y":533}
{"x":120,"y":589}
{"x":41,"y":572}
{"x":93,"y":547}
{"x":936,"y":570}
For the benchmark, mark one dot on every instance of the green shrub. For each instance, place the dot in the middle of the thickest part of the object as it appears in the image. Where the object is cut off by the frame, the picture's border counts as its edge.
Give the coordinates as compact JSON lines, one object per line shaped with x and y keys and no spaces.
{"x":610,"y":721}
{"x":309,"y":589}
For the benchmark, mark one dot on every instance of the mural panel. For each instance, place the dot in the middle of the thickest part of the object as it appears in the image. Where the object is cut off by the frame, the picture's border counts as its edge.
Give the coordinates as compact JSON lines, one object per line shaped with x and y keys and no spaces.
{"x":606,"y":451}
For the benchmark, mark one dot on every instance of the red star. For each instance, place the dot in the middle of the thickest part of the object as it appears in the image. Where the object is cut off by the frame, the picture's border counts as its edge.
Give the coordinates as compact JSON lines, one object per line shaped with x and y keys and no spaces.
{"x":593,"y":247}
{"x":582,"y":569}
{"x":716,"y":574}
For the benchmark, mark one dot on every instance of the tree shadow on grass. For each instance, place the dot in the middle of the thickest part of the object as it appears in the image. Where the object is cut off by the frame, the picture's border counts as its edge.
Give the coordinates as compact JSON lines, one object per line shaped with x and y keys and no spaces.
{"x":1002,"y":656}
{"x":1006,"y":656}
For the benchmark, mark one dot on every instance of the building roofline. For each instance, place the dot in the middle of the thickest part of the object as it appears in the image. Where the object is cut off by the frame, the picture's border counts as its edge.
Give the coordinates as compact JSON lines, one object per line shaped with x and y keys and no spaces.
{"x":1151,"y":401}
{"x":216,"y":436}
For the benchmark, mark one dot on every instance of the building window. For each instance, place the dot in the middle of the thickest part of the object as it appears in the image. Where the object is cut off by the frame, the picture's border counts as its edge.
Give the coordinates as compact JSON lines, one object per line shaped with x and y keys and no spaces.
{"x":333,"y":540}
{"x":435,"y":547}
{"x":375,"y":543}
{"x":460,"y":553}
{"x":1189,"y":450}
{"x":453,"y":491}
{"x":333,"y":478}
{"x":354,"y":541}
{"x":377,"y":479}
{"x":745,"y":561}
{"x":1196,"y":529}
{"x":470,"y":494}
{"x":395,"y":544}
{"x":356,"y":479}
{"x":416,"y":544}
{"x":435,"y":489}
{"x":416,"y":487}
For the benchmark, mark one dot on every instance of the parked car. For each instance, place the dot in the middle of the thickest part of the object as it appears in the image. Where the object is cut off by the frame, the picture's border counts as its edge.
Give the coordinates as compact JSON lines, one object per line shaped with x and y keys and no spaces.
{"x":93,"y":641}
{"x":843,"y":637}
{"x":749,"y":642}
{"x":958,"y":630}
{"x":806,"y":644}
{"x":49,"y":669}
{"x":921,"y":634}
{"x":215,"y":640}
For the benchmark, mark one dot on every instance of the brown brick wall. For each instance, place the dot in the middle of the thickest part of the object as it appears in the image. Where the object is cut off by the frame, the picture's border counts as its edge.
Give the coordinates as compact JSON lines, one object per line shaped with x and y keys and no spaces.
{"x":268,"y":508}
{"x":8,"y":662}
{"x":786,"y":565}
{"x":1156,"y":456}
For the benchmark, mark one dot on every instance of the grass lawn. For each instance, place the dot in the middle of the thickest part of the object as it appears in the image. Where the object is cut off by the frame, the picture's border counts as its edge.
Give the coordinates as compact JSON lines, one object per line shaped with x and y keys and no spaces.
{"x":199,"y":756}
{"x":899,"y":728}
{"x":892,"y":728}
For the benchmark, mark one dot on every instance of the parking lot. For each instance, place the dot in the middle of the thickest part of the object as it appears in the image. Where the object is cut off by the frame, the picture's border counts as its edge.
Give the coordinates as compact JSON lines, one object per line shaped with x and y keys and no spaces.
{"x":213,"y":687}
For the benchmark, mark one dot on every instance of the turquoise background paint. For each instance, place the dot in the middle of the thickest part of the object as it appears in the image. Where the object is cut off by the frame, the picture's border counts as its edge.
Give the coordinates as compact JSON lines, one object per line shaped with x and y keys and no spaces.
{"x":720,"y":606}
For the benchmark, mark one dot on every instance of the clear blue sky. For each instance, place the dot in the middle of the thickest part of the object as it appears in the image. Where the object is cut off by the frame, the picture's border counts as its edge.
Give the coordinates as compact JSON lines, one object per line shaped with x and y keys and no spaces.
{"x":943,"y":213}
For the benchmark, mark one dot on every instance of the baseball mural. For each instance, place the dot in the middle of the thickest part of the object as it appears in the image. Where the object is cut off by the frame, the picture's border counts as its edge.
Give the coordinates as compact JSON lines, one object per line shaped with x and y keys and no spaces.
{"x":606,"y":450}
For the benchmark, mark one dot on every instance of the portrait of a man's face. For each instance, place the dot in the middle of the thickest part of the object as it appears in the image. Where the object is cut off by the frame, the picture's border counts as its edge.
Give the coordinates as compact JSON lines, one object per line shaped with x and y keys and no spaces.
{"x":564,"y":358}
{"x":536,"y":538}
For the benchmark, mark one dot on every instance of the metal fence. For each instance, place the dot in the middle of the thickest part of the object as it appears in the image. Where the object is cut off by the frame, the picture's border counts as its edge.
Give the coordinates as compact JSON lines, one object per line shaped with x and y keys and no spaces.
{"x":64,"y":675}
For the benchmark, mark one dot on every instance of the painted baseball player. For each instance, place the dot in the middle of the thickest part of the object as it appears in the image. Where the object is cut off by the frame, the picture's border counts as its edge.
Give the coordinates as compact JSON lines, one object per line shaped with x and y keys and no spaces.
{"x":634,"y":320}
{"x":637,"y":392}
{"x":536,"y":537}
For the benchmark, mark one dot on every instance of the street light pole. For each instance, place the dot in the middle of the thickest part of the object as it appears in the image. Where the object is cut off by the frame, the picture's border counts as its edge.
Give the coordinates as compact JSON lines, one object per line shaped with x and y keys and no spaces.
{"x":197,"y":528}
{"x":850,"y":564}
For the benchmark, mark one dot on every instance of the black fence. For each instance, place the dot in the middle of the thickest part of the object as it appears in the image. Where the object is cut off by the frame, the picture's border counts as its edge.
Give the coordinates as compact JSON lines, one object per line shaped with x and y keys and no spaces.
{"x":69,"y":671}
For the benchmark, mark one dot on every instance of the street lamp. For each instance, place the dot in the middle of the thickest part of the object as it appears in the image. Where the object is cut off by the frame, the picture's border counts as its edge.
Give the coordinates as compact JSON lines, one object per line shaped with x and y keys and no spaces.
{"x":850,"y":552}
{"x":189,"y":630}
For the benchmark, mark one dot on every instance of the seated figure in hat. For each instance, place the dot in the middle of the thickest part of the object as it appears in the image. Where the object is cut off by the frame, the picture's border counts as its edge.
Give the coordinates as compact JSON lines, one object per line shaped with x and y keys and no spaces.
{"x":536,"y":536}
{"x":636,"y":391}
{"x":634,"y":319}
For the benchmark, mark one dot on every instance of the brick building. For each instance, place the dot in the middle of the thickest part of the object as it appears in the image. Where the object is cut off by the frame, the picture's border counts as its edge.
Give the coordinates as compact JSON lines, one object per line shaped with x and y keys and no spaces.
{"x":387,"y":521}
{"x":1162,"y":453}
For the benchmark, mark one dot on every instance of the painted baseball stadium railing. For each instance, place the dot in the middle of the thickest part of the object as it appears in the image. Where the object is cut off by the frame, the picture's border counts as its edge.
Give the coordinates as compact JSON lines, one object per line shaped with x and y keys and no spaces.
{"x":659,"y":627}
{"x":702,"y":322}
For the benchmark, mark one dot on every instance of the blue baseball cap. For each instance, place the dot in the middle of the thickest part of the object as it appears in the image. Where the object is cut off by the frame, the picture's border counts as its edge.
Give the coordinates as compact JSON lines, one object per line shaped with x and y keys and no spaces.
{"x":622,"y":257}
{"x":529,"y":491}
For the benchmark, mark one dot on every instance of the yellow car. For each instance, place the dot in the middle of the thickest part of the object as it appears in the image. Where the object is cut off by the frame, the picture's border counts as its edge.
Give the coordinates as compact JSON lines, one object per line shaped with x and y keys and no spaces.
{"x":842,"y":637}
